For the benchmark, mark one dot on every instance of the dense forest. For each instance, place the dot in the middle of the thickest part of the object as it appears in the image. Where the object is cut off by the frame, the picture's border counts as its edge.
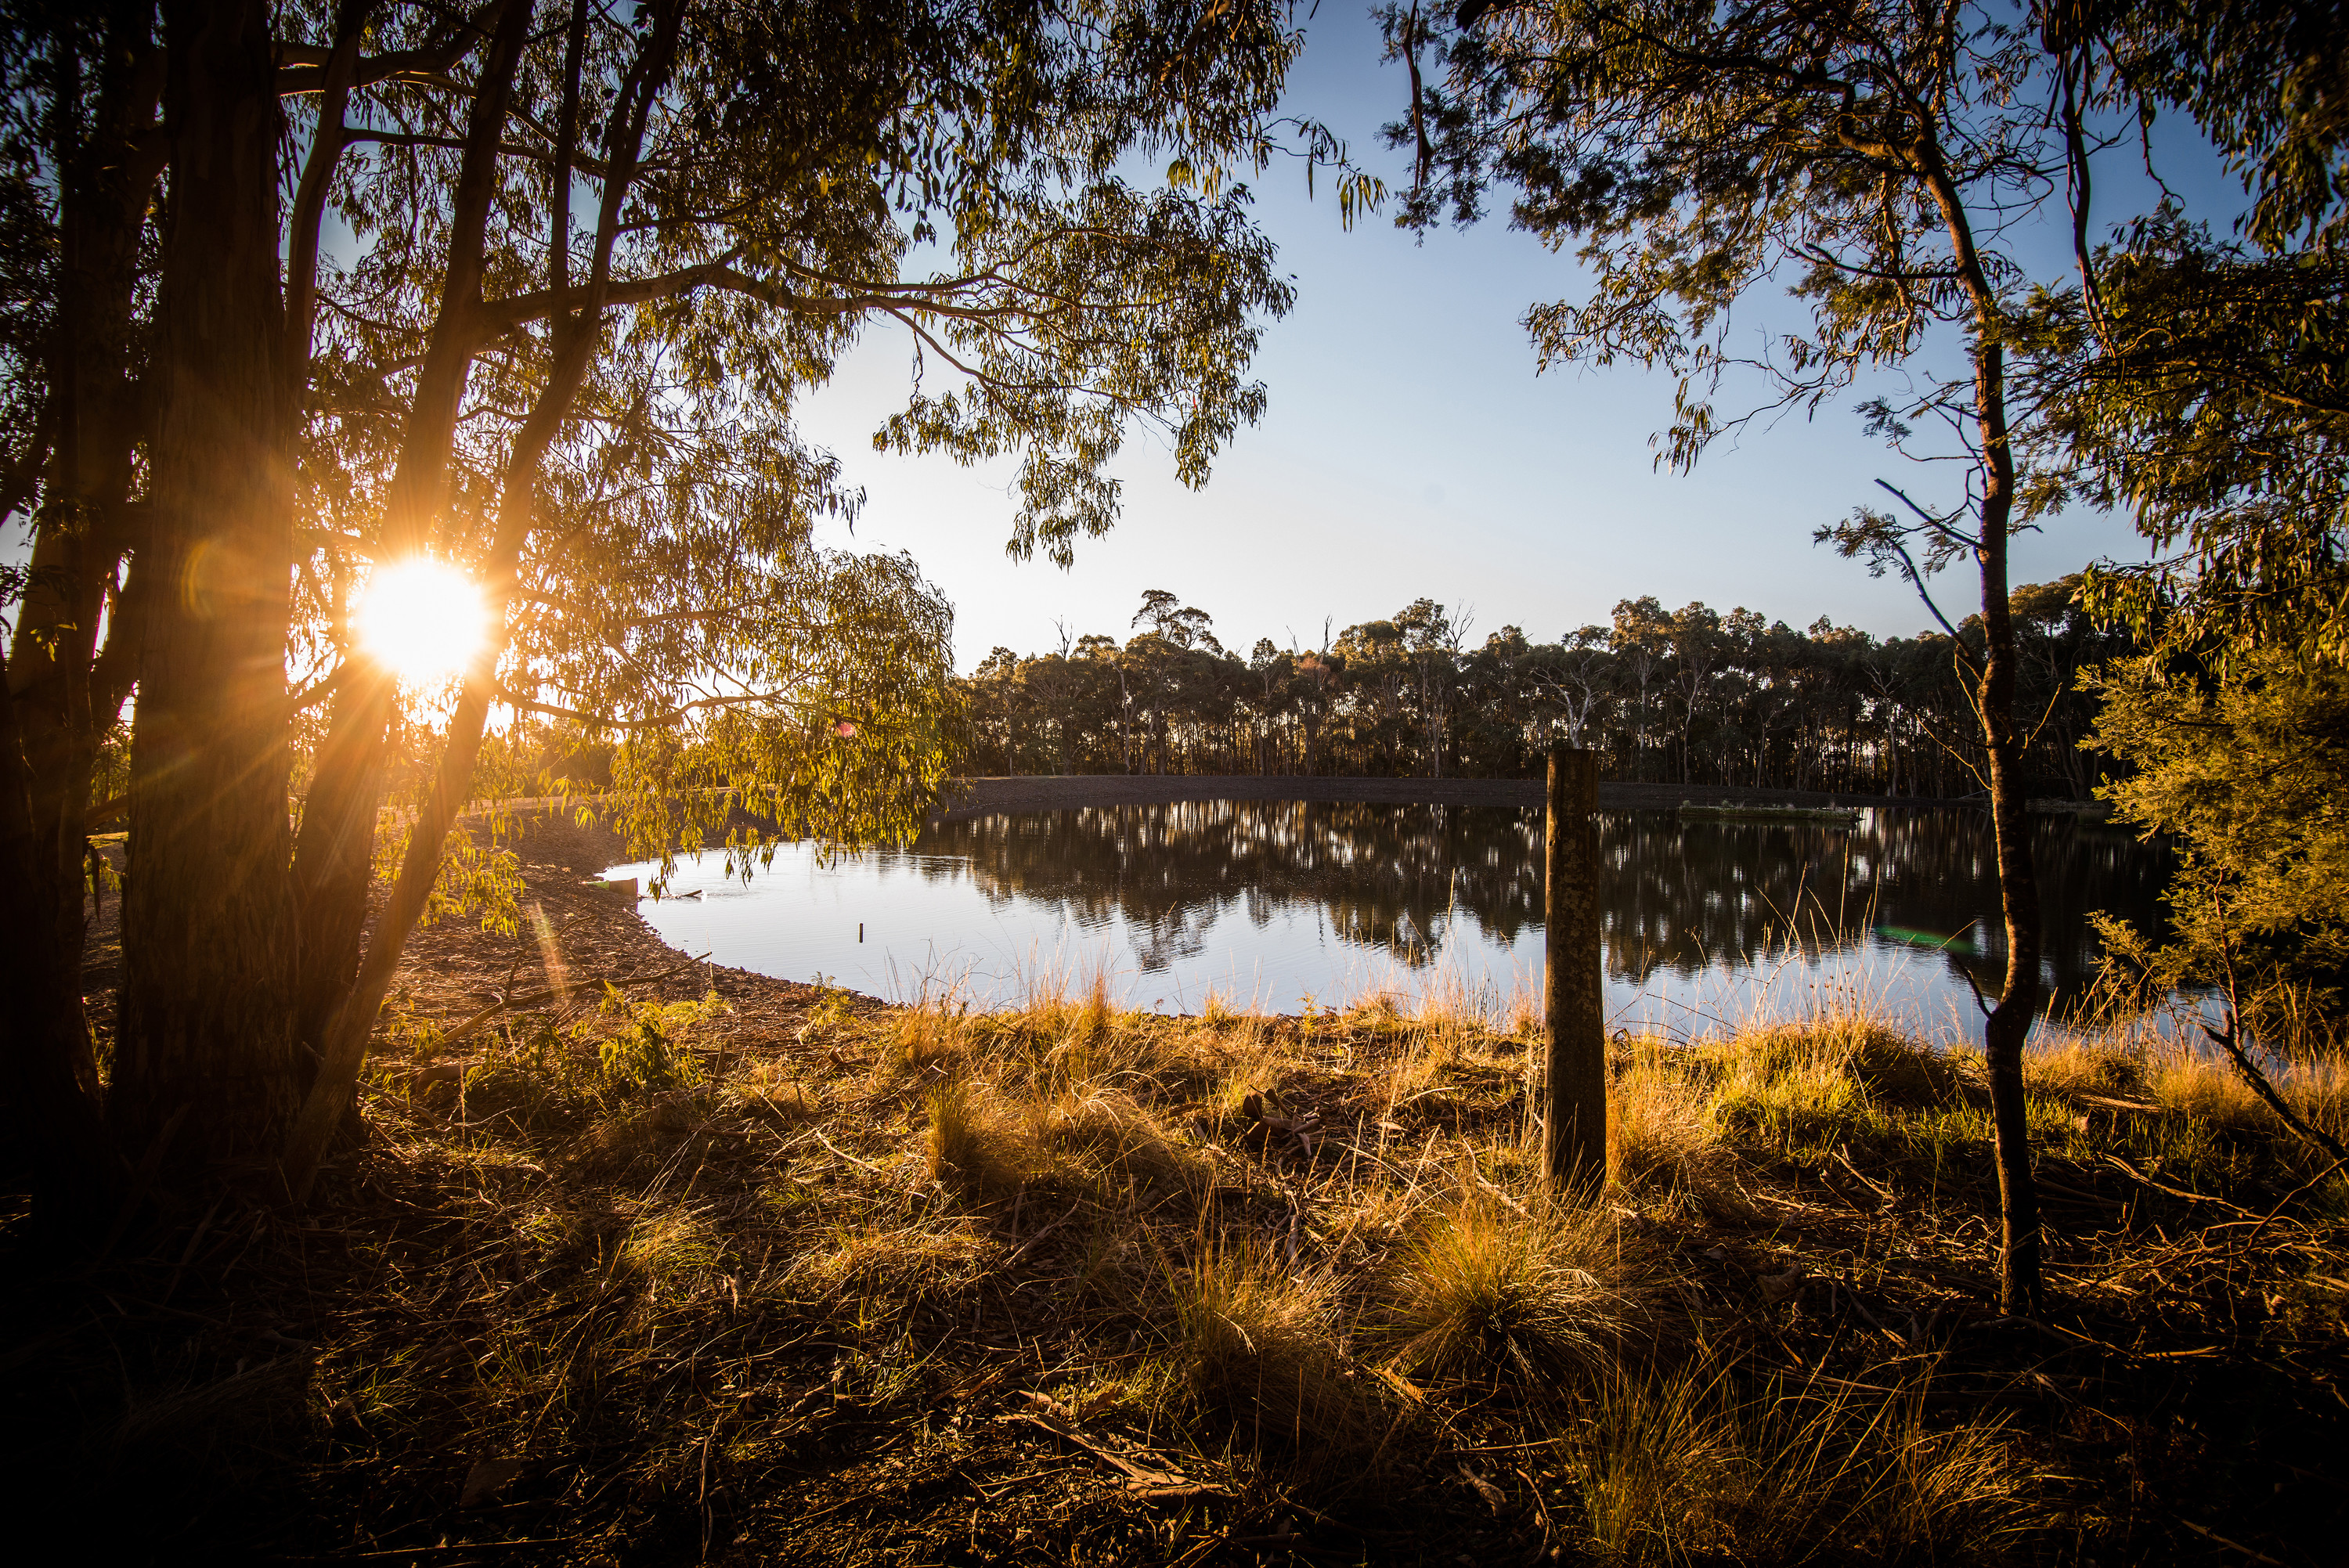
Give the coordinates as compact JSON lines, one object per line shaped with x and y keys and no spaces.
{"x":1688,"y":695}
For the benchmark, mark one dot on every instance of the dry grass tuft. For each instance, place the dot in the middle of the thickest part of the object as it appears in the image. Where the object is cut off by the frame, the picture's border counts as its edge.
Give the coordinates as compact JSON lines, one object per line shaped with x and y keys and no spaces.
{"x":1661,"y":1134}
{"x":2069,"y":1065}
{"x":639,"y":1139}
{"x":1094,"y":1018}
{"x":1251,"y":1062}
{"x":1890,"y":1067}
{"x":1525,"y":1021}
{"x":1689,"y":1468}
{"x":774,"y":1091}
{"x":928,"y":1040}
{"x":1815,"y":1079}
{"x":978,"y":1148}
{"x":1259,"y":1346}
{"x":1114,"y":1133}
{"x":1421,"y":1070}
{"x":894,"y":1263}
{"x":1483,"y":1293}
{"x":669,"y":1246}
{"x":2203,"y":1086}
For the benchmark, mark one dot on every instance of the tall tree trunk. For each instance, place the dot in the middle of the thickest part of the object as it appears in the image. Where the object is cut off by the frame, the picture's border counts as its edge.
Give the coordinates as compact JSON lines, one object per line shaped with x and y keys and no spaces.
{"x":2009,"y":1024}
{"x":575,"y":342}
{"x":106,"y":182}
{"x":334,"y":864}
{"x":48,"y":1083}
{"x":209,"y":929}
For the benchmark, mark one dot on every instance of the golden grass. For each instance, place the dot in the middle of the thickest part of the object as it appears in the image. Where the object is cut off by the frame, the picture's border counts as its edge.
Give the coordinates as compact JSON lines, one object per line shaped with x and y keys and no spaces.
{"x":1251,"y":1061}
{"x":777,"y":1091}
{"x":875,"y":1211}
{"x":2202,"y":1084}
{"x":1691,"y":1468}
{"x":976,"y":1146}
{"x":1257,"y":1344}
{"x":1544,"y":1300}
{"x":894,"y":1263}
{"x":669,"y":1246}
{"x":926,"y":1040}
{"x":1662,"y":1133}
{"x":2070,"y":1065}
{"x":1114,"y":1133}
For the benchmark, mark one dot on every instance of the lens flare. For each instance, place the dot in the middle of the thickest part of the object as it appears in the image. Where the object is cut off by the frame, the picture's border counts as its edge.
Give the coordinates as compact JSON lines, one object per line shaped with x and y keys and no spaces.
{"x":421,"y":619}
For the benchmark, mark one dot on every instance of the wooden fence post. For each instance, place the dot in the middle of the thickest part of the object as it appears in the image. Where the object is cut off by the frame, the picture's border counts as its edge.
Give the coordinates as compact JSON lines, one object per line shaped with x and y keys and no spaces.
{"x":1573,"y":1016}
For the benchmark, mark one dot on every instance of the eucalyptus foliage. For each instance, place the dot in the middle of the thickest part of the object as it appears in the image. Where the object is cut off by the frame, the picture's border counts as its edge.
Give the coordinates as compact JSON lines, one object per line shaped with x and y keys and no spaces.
{"x":545,"y":286}
{"x":1872,"y":161}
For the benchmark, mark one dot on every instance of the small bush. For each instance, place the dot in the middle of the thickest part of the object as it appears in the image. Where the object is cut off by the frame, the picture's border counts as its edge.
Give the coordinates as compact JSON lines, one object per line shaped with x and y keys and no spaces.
{"x":647,"y":1055}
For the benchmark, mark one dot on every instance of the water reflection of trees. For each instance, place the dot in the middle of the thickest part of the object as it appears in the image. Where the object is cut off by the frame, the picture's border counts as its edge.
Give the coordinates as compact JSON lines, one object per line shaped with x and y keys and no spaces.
{"x":1383,"y":877}
{"x":1681,"y":896}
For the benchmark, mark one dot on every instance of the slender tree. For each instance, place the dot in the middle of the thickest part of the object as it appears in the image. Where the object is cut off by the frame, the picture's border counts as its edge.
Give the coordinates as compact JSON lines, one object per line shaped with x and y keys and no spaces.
{"x":1873,"y":159}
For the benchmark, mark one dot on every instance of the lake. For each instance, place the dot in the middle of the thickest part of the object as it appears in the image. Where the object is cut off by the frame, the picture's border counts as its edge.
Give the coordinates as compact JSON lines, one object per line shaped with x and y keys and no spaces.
{"x":1280,"y":905}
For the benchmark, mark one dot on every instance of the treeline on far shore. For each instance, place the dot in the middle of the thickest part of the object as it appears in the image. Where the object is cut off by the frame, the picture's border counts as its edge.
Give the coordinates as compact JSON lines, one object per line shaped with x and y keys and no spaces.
{"x":1689,"y":696}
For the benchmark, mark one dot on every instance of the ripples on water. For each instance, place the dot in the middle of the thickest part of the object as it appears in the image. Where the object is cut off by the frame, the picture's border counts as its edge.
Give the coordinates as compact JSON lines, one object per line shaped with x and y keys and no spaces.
{"x":1273,"y":902}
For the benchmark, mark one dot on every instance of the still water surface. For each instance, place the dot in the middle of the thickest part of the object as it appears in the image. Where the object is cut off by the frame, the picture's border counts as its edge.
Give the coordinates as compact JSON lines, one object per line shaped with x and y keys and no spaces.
{"x":1276,"y":902}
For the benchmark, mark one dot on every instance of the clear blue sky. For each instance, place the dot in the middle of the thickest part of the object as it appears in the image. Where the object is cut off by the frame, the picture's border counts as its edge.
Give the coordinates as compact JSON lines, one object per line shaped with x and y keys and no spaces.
{"x":1411,"y":451}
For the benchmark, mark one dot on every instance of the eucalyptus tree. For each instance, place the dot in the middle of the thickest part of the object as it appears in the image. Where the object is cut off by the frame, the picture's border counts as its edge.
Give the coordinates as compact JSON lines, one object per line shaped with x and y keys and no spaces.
{"x":1576,"y":678}
{"x":1876,"y":160}
{"x":597,"y":261}
{"x":2206,"y":388}
{"x":1640,"y":640}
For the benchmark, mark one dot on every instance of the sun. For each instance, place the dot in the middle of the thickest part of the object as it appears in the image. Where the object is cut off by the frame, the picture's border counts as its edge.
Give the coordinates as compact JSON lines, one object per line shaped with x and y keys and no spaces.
{"x":421,"y":619}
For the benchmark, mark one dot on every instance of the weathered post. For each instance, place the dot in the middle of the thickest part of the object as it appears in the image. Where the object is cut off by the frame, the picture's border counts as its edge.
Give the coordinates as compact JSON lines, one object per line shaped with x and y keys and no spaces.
{"x":1575,"y":1135}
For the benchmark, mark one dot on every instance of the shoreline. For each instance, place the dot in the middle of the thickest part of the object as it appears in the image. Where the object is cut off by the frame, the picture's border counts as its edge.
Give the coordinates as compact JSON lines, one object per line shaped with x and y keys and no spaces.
{"x":1063,"y":791}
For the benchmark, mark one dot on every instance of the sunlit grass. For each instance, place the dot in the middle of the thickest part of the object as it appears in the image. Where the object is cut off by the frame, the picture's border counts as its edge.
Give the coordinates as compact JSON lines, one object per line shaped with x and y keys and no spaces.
{"x":1547,"y":1299}
{"x":1288,"y":1254}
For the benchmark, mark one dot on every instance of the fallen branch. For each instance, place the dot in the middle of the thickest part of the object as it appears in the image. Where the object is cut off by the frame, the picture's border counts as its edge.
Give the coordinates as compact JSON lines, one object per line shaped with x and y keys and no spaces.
{"x":2314,"y":1137}
{"x":2142,"y":1179}
{"x":1050,"y":1415}
{"x":845,"y":1154}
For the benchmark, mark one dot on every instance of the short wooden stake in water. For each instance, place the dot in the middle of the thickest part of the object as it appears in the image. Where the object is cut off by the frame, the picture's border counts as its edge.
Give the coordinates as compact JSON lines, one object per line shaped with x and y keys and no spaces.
{"x":1575,"y":1133}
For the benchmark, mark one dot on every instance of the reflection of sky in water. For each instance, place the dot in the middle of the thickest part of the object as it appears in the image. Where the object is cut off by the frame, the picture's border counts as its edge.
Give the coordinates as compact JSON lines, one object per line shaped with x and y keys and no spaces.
{"x":1273,"y":902}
